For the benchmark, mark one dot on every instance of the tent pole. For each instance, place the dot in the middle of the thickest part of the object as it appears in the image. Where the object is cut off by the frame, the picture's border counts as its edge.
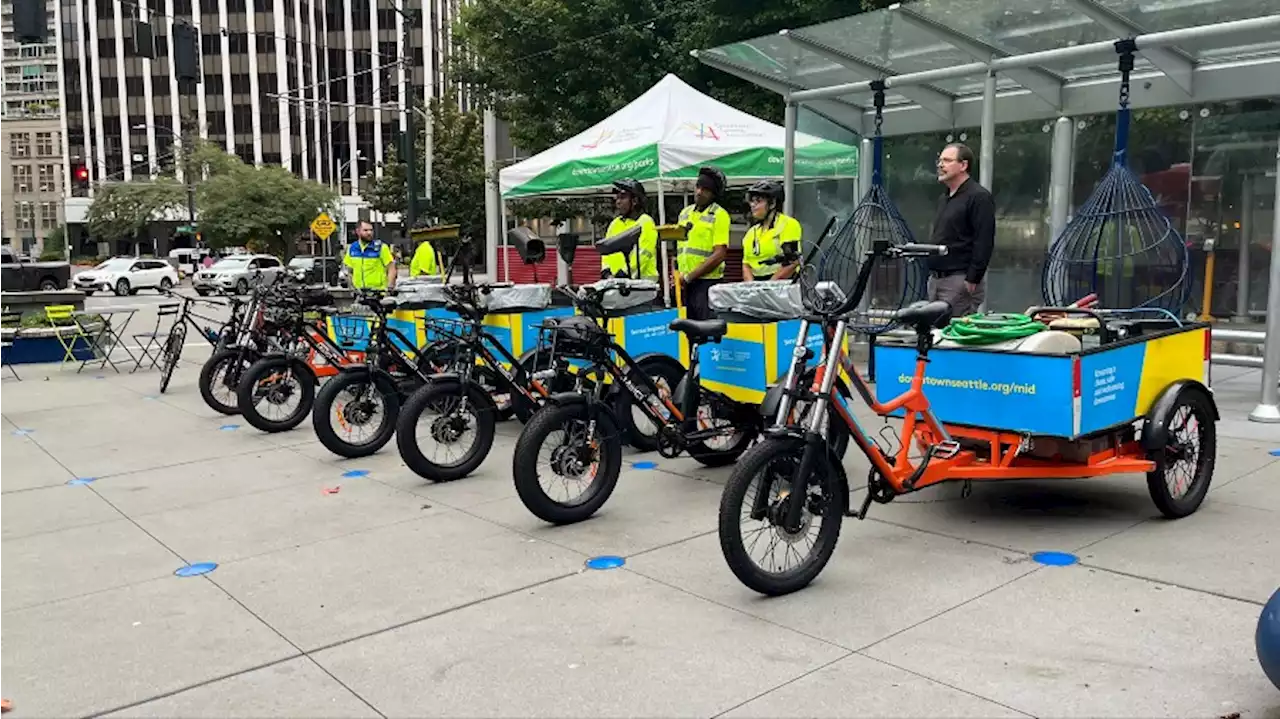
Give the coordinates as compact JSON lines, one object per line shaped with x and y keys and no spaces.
{"x":789,"y":159}
{"x":662,"y":247}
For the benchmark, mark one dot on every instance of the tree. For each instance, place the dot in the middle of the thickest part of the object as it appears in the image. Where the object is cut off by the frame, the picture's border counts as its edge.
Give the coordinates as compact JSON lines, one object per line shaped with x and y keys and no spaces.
{"x":121,"y":210}
{"x":264,"y":207}
{"x":547,"y":66}
{"x":55,"y":245}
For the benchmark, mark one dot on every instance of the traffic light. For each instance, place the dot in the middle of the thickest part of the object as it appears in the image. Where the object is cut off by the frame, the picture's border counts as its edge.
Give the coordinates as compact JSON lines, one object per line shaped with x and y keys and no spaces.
{"x":30,"y":22}
{"x":186,"y":52}
{"x":80,"y":177}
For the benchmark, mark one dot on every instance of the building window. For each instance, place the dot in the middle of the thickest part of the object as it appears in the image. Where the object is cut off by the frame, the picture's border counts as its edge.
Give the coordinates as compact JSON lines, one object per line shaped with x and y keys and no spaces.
{"x":48,"y":215}
{"x":21,"y":179}
{"x":44,"y":144}
{"x":25,"y":212}
{"x":20,"y":144}
{"x":48,"y":178}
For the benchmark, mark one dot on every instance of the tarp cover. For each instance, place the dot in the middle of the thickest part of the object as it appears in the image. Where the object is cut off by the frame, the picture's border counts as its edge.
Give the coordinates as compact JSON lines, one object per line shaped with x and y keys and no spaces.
{"x":669,"y":132}
{"x":517,"y":297}
{"x":640,"y":292}
{"x":772,"y":300}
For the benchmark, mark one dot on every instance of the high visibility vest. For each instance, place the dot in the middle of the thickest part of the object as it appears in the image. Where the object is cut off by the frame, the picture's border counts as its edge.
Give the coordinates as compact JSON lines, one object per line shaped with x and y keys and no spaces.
{"x":709,"y":230}
{"x":644,"y":256}
{"x":761,"y":244}
{"x":368,"y":264}
{"x":424,"y":261}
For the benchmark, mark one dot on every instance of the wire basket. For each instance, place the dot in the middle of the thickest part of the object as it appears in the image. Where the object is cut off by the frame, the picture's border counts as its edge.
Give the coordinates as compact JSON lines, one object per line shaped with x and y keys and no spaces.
{"x":829,"y":279}
{"x":1120,"y":246}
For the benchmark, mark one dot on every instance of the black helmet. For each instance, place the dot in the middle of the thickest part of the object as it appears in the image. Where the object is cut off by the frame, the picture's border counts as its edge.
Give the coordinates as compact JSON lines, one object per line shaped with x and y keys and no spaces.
{"x":631,"y":187}
{"x":713,"y":179}
{"x":771,"y":189}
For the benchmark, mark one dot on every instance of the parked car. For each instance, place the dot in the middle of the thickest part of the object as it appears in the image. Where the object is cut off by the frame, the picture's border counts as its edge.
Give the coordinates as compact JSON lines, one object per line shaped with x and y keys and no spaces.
{"x":21,"y":274}
{"x":127,"y":275}
{"x":315,"y":269}
{"x":236,"y":274}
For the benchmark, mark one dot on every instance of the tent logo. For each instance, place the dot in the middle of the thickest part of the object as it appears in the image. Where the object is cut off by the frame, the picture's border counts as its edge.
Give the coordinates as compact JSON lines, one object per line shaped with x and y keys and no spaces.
{"x":604,"y":135}
{"x":702,"y":130}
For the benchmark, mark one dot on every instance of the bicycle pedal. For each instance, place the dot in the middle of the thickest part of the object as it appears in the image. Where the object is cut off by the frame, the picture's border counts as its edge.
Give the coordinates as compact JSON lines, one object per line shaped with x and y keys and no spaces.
{"x":947,"y":449}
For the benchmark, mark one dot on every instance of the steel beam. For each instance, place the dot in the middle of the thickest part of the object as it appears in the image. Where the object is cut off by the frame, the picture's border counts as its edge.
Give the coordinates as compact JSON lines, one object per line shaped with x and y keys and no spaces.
{"x":1164,"y":38}
{"x":1044,"y":84}
{"x":1268,"y":409}
{"x":931,"y":98}
{"x":1172,"y":60}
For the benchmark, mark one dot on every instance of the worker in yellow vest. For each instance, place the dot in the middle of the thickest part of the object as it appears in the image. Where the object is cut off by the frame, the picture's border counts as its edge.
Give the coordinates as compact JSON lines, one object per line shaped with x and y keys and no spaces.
{"x":700,"y":256}
{"x":369,"y":262}
{"x":770,"y":232}
{"x":425,"y":261}
{"x":630,"y":201}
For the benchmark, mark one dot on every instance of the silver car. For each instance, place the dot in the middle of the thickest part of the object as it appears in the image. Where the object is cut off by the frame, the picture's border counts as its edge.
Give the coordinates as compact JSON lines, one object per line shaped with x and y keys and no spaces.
{"x":237,"y":274}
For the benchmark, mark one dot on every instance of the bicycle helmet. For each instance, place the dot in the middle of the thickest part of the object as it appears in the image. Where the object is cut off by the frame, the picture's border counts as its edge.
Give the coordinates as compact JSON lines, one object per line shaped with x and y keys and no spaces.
{"x":712,"y":179}
{"x":770,"y":189}
{"x":631,"y":187}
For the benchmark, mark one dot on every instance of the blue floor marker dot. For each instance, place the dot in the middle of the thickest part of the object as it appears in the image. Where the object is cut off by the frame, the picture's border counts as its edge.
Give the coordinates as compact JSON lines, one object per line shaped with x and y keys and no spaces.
{"x":353,"y":473}
{"x":21,"y":432}
{"x":1055,"y":559}
{"x":605,"y":562}
{"x":81,"y":480}
{"x":645,"y":465}
{"x":1275,"y":453}
{"x":195,"y":570}
{"x":229,"y":427}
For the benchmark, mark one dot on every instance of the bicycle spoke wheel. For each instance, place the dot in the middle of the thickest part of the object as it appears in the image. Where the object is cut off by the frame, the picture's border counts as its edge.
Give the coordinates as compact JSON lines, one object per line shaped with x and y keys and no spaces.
{"x":172,"y":352}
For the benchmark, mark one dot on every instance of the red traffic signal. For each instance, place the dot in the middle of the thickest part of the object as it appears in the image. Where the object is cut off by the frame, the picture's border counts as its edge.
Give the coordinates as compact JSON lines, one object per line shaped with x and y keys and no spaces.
{"x":82,"y":174}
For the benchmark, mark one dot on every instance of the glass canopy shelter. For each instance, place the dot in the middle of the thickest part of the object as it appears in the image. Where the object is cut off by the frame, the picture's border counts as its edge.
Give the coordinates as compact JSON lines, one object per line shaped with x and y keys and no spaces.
{"x":952,"y":64}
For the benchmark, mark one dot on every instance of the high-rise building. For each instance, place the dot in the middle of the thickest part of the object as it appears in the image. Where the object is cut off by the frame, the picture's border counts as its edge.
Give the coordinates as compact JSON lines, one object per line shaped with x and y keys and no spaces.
{"x":32,"y":168}
{"x":310,"y":85}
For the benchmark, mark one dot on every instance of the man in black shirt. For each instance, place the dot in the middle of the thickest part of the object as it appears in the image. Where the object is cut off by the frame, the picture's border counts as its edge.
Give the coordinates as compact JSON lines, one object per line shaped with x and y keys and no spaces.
{"x":966,"y":224}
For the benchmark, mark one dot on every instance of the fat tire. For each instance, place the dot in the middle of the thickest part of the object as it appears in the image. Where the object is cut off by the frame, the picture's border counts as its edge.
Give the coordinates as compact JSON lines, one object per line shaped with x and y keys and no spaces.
{"x":1157,"y":486}
{"x":524,"y":463}
{"x":407,"y":437}
{"x":735,"y":554}
{"x":324,"y":405}
{"x":624,"y":402}
{"x":258,"y":370}
{"x":206,"y":379}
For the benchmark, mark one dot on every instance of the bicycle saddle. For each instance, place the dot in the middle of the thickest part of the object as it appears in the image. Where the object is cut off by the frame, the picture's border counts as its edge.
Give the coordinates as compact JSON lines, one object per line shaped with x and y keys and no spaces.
{"x":701,"y":329}
{"x":925,"y":314}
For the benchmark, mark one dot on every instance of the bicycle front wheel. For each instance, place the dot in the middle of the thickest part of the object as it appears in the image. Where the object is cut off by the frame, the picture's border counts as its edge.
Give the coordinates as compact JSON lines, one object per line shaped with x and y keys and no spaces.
{"x":172,"y":352}
{"x":752,"y":512}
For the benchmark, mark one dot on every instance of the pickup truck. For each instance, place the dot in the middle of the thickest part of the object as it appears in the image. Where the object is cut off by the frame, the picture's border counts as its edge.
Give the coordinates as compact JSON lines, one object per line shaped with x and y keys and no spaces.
{"x":20,"y":274}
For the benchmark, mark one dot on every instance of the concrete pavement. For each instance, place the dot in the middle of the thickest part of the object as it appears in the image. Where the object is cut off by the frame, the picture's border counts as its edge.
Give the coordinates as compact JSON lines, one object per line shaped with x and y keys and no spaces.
{"x":396,"y":597}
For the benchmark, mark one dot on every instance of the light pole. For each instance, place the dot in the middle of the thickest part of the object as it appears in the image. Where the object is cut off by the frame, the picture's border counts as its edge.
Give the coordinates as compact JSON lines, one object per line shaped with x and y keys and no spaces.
{"x":186,"y":173}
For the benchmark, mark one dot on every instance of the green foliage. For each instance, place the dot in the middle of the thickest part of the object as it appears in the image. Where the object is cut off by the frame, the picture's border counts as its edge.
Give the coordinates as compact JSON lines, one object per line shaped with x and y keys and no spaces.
{"x":121,"y":210}
{"x":555,"y":67}
{"x":55,"y":245}
{"x":266,"y":208}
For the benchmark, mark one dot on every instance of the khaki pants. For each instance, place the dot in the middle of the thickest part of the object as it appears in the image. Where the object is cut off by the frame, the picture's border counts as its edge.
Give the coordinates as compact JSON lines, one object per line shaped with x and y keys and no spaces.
{"x":951,"y":289}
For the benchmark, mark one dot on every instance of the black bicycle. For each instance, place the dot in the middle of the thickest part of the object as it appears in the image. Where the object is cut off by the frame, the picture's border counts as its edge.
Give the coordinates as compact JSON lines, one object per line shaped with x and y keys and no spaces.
{"x":218,"y":338}
{"x":257,"y":328}
{"x":579,"y":432}
{"x":366,"y":396}
{"x":462,"y":406}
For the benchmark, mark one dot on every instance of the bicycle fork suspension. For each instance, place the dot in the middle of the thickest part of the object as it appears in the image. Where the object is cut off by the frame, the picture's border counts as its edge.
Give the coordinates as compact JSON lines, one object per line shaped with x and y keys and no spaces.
{"x":814,"y":446}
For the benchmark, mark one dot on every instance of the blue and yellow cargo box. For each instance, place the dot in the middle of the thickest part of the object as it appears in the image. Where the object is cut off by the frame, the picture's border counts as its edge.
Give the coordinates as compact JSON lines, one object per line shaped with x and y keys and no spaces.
{"x":1066,"y":395}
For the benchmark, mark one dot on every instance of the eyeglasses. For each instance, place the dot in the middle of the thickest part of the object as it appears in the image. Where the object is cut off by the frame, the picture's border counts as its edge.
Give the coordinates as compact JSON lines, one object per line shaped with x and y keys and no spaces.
{"x":947,"y":160}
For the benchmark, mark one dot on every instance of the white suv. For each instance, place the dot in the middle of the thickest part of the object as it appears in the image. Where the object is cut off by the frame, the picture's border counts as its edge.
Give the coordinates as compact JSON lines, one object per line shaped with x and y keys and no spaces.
{"x":236,"y":274}
{"x":127,"y":275}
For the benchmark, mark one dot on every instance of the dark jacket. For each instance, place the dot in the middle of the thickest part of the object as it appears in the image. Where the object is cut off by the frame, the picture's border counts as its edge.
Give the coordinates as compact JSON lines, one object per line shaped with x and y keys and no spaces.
{"x":966,"y":224}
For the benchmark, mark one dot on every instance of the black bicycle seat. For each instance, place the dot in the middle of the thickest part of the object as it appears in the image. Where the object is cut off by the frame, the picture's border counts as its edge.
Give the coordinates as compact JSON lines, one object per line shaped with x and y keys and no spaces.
{"x":925,"y":314}
{"x":701,"y":329}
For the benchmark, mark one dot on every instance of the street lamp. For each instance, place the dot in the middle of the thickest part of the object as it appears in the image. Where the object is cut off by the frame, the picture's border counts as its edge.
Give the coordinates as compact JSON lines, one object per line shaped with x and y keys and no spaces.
{"x":186,"y":171}
{"x":342,"y":169}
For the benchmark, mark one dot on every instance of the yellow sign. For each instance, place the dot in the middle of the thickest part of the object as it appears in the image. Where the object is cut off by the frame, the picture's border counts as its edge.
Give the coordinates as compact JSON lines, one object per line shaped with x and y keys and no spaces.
{"x":323,"y":226}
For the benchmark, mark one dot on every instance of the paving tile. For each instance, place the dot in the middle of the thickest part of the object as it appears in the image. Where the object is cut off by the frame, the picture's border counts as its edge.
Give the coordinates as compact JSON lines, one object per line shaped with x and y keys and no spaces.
{"x":647,"y":509}
{"x":589,"y":645}
{"x":1190,"y":551}
{"x":1080,"y":642}
{"x":27,"y":465}
{"x":882,"y":579}
{"x":1259,"y":490}
{"x":96,"y":653}
{"x":72,"y":562}
{"x":859,"y":686}
{"x":53,"y":508}
{"x":293,"y":688}
{"x":328,"y":591}
{"x":253,"y":524}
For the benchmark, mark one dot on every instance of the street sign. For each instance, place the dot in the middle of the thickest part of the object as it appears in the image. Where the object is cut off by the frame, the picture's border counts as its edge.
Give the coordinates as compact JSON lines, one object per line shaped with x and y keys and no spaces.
{"x":323,"y":226}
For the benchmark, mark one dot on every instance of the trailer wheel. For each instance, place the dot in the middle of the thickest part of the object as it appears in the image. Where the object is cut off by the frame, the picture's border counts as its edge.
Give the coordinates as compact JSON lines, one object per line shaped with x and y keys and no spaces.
{"x":1185,"y":459}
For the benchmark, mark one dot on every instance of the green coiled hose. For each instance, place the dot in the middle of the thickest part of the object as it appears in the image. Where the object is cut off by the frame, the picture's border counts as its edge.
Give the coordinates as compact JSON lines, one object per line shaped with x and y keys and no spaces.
{"x":980,"y":329}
